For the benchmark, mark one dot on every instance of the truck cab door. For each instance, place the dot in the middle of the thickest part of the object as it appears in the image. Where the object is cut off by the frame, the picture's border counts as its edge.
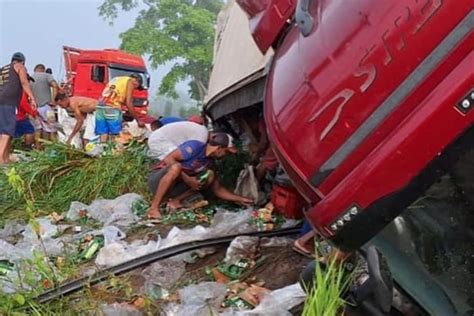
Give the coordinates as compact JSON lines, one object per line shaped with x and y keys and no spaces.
{"x":90,"y":80}
{"x":267,"y":19}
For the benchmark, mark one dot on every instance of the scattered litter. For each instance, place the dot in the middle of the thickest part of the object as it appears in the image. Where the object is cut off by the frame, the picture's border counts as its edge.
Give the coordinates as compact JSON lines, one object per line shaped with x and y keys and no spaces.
{"x":275,"y":303}
{"x":202,"y":299}
{"x":116,"y":212}
{"x":161,"y":276}
{"x":253,"y":294}
{"x":122,"y":309}
{"x":280,"y":301}
{"x":218,"y":276}
{"x":90,"y":247}
{"x":242,"y":247}
{"x":194,"y":216}
{"x":119,"y":252}
{"x":55,"y":217}
{"x":247,"y":183}
{"x":281,"y":242}
{"x":11,"y":229}
{"x":266,"y":219}
{"x":112,"y":234}
{"x":47,"y":231}
{"x":198,"y":254}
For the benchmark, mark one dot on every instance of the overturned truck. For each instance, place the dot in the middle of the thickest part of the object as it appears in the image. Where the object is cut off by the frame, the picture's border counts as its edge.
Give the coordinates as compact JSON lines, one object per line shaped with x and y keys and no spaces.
{"x":367,"y":104}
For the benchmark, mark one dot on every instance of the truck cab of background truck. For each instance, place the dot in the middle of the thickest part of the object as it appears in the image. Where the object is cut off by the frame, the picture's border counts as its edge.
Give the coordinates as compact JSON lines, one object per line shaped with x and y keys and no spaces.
{"x":367,"y":103}
{"x":88,"y":71}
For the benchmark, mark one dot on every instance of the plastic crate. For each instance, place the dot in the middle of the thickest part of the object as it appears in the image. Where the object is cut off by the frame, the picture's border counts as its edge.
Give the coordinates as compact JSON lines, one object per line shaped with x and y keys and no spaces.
{"x":287,"y":201}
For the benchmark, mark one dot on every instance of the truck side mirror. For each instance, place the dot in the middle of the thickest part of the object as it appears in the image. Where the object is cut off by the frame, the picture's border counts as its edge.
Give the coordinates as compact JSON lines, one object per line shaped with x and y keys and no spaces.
{"x":98,"y":73}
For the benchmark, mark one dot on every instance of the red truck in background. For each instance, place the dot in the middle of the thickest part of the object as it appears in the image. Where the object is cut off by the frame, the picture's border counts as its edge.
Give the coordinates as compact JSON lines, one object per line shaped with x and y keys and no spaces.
{"x":88,"y":71}
{"x":367,"y":103}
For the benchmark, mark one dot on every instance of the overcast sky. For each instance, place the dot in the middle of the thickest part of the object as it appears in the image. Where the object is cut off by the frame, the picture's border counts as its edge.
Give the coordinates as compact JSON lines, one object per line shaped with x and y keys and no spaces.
{"x":39,"y":29}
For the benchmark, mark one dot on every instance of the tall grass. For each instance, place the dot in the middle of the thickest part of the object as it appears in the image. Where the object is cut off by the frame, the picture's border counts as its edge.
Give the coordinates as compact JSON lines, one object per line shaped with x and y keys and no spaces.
{"x":325,"y":296}
{"x":60,"y":175}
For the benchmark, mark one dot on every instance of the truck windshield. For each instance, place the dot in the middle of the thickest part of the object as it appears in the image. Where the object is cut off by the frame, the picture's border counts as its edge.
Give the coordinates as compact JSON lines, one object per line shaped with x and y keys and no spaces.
{"x":117,"y":72}
{"x":429,"y":249}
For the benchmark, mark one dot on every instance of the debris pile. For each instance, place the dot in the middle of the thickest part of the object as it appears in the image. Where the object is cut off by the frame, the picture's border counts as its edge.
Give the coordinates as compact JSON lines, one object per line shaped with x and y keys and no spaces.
{"x":102,"y":233}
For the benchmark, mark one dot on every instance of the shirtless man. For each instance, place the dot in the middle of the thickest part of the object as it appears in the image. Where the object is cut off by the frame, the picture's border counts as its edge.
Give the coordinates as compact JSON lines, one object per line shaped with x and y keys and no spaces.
{"x":79,"y":107}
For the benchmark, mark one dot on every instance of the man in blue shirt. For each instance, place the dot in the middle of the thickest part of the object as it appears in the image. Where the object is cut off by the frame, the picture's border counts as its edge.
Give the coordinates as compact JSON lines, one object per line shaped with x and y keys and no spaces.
{"x":182,"y":171}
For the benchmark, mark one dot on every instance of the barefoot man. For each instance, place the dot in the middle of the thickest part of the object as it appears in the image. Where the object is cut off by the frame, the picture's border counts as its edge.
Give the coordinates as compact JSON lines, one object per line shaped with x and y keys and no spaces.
{"x":13,"y":81}
{"x":79,"y":107}
{"x":186,"y":169}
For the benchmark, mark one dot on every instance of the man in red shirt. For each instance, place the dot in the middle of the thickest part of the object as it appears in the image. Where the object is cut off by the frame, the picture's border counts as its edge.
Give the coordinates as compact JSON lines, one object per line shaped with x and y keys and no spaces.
{"x":23,"y":124}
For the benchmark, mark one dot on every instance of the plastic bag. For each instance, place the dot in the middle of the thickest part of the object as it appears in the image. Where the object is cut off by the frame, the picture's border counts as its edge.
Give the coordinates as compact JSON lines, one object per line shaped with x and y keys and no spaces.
{"x":67,"y":123}
{"x":119,"y":252}
{"x":247,"y":184}
{"x":112,"y":234}
{"x":117,"y":212}
{"x":13,"y":253}
{"x":202,"y":299}
{"x":229,"y":223}
{"x":122,"y":309}
{"x":75,"y":208}
{"x":11,"y":229}
{"x":178,"y":236}
{"x":47,"y":230}
{"x":242,"y":247}
{"x":161,"y":276}
{"x":266,"y":242}
{"x":280,"y":301}
{"x":224,"y":223}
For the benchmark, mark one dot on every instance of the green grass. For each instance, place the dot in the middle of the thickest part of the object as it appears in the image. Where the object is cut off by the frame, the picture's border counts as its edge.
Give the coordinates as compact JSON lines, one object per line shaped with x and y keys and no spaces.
{"x":60,"y":175}
{"x":324,"y":298}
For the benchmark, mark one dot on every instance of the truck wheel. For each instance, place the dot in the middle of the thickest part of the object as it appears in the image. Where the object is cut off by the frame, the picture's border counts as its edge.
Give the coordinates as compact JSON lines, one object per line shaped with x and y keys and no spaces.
{"x":462,"y":175}
{"x":307,"y":276}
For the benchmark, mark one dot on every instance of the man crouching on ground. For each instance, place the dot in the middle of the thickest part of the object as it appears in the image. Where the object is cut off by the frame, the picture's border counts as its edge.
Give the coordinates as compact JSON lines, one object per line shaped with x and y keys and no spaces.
{"x":79,"y":107}
{"x":181,"y":172}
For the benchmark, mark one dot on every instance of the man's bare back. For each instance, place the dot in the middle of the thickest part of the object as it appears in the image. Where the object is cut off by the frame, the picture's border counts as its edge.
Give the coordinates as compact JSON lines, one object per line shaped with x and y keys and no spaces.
{"x":83,"y":104}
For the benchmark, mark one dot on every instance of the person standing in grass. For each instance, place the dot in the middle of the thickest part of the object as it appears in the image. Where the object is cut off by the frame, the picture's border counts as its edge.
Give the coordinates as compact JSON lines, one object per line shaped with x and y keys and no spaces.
{"x":44,"y":89}
{"x":13,"y":81}
{"x":118,"y":92}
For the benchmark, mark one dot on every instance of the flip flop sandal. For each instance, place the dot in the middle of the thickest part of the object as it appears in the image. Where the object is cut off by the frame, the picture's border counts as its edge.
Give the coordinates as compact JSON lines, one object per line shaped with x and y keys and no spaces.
{"x":299,"y":249}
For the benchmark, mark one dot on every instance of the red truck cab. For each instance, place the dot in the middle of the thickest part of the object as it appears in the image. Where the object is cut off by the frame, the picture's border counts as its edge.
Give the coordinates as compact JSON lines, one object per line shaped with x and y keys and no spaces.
{"x":367,"y":103}
{"x":88,"y":71}
{"x":359,"y":106}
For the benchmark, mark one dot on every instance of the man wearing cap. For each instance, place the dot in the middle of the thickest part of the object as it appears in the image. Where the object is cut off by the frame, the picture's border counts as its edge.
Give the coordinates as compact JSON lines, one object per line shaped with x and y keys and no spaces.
{"x":187,"y":169}
{"x":44,"y":88}
{"x":118,"y":92}
{"x":13,"y":81}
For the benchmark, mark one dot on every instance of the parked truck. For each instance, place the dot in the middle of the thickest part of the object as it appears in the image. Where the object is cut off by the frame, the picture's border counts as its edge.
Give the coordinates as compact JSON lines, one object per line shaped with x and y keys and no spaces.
{"x":88,"y":71}
{"x":367,"y":103}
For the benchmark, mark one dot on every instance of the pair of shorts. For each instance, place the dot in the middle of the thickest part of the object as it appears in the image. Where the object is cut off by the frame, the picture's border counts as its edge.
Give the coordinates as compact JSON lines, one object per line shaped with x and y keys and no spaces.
{"x":108,"y":120}
{"x":7,"y":119}
{"x":154,"y":178}
{"x":24,"y":127}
